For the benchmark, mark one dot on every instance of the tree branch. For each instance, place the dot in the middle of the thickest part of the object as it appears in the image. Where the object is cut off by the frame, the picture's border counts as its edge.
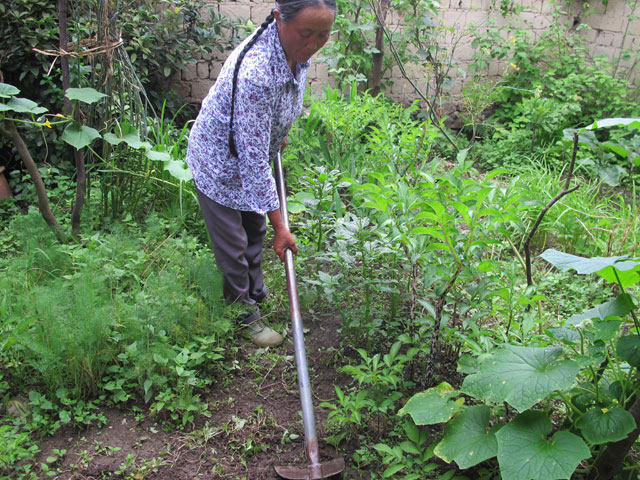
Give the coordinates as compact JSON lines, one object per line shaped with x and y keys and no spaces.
{"x":11,"y":132}
{"x":81,"y":172}
{"x":403,"y":71}
{"x":565,"y":191}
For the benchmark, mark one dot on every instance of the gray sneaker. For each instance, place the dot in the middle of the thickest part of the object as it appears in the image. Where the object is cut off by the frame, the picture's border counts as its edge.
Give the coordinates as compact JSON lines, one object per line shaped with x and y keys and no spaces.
{"x":263,"y":335}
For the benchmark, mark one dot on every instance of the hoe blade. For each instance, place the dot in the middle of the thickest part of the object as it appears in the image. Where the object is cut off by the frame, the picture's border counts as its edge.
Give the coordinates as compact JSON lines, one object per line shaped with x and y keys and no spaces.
{"x":312,"y":472}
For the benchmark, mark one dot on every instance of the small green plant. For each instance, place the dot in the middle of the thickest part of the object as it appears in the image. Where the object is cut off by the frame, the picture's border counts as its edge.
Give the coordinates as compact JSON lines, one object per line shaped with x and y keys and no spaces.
{"x":50,"y":466}
{"x":134,"y":468}
{"x":411,"y":457}
{"x":380,"y":382}
{"x":17,"y":450}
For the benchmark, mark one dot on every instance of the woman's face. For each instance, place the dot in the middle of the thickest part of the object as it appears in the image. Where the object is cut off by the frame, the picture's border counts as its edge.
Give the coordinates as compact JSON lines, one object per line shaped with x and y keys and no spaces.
{"x":306,"y":33}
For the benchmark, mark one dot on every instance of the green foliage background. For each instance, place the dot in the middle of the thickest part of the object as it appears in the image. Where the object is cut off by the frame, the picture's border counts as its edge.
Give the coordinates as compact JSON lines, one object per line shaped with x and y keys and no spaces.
{"x":413,"y":233}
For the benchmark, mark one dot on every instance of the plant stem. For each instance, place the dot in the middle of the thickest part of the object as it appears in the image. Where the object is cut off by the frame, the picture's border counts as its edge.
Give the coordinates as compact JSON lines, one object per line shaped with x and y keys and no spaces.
{"x":78,"y":157}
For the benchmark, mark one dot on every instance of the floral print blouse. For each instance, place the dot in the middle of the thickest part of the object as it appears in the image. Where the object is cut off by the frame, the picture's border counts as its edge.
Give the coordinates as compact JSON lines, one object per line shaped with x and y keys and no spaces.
{"x":268,"y":100}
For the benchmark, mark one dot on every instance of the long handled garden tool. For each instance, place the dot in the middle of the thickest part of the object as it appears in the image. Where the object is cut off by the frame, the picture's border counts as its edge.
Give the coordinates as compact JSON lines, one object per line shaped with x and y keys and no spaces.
{"x":315,"y":469}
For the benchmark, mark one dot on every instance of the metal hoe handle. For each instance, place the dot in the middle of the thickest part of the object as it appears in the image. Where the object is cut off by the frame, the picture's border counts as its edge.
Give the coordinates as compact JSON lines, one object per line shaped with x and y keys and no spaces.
{"x":311,"y":440}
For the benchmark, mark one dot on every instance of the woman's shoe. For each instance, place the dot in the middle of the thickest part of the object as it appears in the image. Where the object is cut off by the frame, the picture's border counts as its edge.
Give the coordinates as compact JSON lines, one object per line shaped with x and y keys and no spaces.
{"x":263,"y":335}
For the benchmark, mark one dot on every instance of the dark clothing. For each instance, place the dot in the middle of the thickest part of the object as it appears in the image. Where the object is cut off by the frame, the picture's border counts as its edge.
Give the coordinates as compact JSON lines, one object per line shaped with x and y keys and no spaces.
{"x":237,"y":237}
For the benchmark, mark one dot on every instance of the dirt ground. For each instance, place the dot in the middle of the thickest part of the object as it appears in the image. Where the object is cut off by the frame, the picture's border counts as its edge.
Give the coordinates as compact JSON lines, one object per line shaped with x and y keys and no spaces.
{"x":255,"y":424}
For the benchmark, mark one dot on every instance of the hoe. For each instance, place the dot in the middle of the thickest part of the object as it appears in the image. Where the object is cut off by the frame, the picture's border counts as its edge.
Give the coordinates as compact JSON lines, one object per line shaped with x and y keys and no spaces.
{"x":315,"y":469}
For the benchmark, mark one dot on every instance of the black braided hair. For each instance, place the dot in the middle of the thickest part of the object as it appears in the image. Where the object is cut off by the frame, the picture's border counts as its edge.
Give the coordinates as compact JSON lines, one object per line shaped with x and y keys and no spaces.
{"x":247,"y":47}
{"x":288,"y":10}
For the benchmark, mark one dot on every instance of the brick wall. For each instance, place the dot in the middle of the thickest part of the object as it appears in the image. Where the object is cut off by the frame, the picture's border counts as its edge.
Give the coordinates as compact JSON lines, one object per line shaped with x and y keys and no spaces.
{"x":610,"y":32}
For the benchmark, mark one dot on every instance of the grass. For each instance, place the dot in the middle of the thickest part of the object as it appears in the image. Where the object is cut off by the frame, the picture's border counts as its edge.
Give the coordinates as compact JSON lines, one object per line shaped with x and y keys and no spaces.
{"x":592,"y":221}
{"x":120,"y":317}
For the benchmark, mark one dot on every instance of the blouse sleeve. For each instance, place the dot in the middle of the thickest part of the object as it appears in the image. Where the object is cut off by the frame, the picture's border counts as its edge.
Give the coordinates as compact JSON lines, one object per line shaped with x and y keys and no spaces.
{"x":252,"y":134}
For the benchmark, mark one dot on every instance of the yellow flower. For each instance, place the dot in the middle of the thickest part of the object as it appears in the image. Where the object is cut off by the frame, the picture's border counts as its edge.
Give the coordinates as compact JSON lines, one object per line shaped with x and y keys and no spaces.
{"x":514,"y":66}
{"x":47,"y":124}
{"x":60,"y":115}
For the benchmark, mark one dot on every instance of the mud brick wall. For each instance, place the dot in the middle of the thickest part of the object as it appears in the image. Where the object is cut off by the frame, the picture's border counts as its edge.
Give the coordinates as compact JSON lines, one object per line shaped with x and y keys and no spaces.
{"x":610,"y":32}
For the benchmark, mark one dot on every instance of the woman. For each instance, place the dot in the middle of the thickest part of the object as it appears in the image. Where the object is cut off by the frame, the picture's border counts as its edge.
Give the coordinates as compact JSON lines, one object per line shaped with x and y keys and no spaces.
{"x":243,"y":123}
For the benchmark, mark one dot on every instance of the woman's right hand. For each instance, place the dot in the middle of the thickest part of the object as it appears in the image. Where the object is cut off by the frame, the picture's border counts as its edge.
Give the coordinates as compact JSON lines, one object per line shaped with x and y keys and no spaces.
{"x":284,"y":240}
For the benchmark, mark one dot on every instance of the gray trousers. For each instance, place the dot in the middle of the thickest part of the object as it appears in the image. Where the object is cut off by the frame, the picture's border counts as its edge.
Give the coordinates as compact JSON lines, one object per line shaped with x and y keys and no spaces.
{"x":237,"y":238}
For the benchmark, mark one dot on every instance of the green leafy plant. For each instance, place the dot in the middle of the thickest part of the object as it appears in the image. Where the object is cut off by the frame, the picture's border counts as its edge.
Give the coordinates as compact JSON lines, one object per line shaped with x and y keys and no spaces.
{"x":618,"y":154}
{"x":411,"y":457}
{"x":548,"y":85}
{"x":130,"y":160}
{"x":380,"y":382}
{"x":16,"y":452}
{"x":530,"y":379}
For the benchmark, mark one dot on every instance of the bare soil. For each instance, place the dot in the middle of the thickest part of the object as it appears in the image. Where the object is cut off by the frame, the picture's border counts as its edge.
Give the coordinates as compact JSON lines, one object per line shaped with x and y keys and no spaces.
{"x":255,"y":424}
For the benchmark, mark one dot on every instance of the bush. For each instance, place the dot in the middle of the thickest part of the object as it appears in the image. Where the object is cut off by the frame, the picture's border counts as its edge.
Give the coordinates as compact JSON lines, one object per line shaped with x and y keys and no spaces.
{"x":551,"y":83}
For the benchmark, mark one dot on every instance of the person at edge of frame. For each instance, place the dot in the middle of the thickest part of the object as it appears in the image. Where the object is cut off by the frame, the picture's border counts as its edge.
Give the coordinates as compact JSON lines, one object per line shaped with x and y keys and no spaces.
{"x":243,"y":122}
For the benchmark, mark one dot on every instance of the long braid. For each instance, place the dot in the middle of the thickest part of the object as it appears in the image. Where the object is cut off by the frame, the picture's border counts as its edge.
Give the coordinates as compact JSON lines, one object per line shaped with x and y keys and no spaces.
{"x":247,"y":47}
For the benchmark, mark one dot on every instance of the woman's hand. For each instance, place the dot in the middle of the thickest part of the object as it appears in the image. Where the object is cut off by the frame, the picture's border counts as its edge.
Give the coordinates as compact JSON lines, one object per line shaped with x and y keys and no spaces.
{"x":283,"y":238}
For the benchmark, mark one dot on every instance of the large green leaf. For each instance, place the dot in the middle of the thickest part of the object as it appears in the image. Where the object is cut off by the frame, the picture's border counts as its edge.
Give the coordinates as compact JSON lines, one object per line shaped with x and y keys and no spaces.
{"x":521,"y":376}
{"x":467,"y":439}
{"x":127,"y":134}
{"x":79,"y":136}
{"x":158,"y":154}
{"x":619,"y":308}
{"x":434,"y":405}
{"x":627,"y":270}
{"x":616,"y":148}
{"x":602,"y":425}
{"x":24,"y":105}
{"x":611,"y":174}
{"x":525,"y":451}
{"x":604,"y":330}
{"x":300,"y":202}
{"x":566,"y":261}
{"x":179,"y":170}
{"x":586,"y":137}
{"x":8,"y":91}
{"x":615,"y":122}
{"x":86,"y":95}
{"x":628,"y":349}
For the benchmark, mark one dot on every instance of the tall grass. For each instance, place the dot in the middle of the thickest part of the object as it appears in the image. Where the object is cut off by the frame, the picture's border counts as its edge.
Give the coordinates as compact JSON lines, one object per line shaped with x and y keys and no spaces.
{"x":595,"y":220}
{"x":68,"y":312}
